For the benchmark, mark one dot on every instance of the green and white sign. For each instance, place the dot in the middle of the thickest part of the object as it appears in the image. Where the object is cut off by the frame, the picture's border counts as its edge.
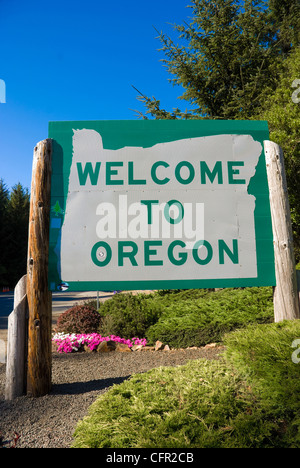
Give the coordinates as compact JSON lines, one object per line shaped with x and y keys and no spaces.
{"x":159,"y":205}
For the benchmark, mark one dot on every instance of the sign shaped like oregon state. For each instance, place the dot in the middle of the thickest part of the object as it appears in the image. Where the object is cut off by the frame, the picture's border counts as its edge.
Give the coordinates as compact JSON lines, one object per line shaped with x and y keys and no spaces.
{"x":159,"y":205}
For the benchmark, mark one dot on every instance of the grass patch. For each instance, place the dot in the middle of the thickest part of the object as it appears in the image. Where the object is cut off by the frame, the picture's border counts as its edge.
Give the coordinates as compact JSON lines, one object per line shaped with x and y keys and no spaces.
{"x":248,"y":399}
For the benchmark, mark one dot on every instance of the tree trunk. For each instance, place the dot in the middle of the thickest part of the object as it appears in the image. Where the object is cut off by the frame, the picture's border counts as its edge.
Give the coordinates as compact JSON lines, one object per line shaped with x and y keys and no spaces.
{"x":39,"y":298}
{"x":286,"y":300}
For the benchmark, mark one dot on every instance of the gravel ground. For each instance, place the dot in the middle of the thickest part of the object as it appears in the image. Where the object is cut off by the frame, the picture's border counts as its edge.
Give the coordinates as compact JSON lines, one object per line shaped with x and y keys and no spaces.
{"x":78,"y":379}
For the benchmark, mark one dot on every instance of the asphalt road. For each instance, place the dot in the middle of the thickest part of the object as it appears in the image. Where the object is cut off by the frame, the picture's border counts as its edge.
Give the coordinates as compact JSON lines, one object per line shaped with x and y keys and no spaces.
{"x":6,"y":307}
{"x":61,"y":301}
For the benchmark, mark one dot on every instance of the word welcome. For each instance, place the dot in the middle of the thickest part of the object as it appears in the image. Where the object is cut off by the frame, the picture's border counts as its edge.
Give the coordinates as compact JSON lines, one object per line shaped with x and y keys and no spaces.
{"x":184,"y":173}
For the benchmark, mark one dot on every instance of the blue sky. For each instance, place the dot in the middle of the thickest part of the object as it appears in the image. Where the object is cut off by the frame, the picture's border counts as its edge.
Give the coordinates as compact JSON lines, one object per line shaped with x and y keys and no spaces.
{"x":77,"y":60}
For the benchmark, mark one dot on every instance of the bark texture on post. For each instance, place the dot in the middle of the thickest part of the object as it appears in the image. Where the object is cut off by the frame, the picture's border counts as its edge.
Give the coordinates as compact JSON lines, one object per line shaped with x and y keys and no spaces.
{"x":286,"y":301}
{"x":16,"y":344}
{"x":39,"y":363}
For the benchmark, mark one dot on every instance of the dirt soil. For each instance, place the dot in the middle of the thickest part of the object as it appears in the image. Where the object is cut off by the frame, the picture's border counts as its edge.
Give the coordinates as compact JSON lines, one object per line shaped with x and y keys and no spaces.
{"x":78,"y":379}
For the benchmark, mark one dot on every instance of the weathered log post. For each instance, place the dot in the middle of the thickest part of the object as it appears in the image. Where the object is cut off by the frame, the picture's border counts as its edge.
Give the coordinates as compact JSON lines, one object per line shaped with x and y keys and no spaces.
{"x":286,"y":300}
{"x":39,"y":364}
{"x":17,"y":344}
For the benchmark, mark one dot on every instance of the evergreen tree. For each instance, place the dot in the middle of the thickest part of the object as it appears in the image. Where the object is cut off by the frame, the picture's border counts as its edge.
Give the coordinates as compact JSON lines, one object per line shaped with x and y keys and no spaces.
{"x":18,"y":217}
{"x":285,"y":15}
{"x":282,"y":111}
{"x":237,"y":59}
{"x":228,"y":56}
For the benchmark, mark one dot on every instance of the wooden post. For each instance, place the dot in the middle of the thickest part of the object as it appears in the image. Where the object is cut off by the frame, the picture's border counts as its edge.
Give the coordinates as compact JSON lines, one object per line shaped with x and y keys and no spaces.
{"x":16,"y":344}
{"x":39,"y":363}
{"x":286,"y":301}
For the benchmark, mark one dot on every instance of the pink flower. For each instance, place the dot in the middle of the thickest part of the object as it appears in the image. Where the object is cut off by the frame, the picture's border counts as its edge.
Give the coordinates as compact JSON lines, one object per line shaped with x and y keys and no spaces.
{"x":68,"y":343}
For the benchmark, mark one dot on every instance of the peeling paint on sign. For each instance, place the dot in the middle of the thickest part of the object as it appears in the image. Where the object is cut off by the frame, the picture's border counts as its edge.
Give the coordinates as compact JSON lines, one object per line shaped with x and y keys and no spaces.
{"x":159,"y":205}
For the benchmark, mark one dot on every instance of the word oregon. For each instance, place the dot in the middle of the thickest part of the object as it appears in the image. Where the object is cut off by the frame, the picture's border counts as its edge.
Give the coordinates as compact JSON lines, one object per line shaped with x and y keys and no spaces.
{"x":128,"y":251}
{"x":160,"y":173}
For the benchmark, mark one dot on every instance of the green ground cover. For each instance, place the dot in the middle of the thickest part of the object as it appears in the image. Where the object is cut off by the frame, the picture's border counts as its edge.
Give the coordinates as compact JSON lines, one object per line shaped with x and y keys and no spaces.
{"x":248,"y":398}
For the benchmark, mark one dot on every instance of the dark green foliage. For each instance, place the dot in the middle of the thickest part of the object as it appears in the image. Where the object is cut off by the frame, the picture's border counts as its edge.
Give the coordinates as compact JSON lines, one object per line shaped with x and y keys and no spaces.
{"x":285,"y":15}
{"x":128,"y":315}
{"x":227,"y":56}
{"x":92,"y":303}
{"x":199,"y":317}
{"x":79,"y":319}
{"x":14,"y":218}
{"x":283,"y":115}
{"x":163,"y":292}
{"x":17,"y":245}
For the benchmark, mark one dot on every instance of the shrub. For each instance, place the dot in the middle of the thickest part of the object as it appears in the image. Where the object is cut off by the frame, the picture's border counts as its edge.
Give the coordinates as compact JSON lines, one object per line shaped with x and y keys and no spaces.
{"x":163,"y":292}
{"x":183,"y":318}
{"x":92,"y":303}
{"x":190,"y":406}
{"x":127,"y":315}
{"x":264,"y":355}
{"x":247,"y":399}
{"x":199,"y":317}
{"x":79,"y":319}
